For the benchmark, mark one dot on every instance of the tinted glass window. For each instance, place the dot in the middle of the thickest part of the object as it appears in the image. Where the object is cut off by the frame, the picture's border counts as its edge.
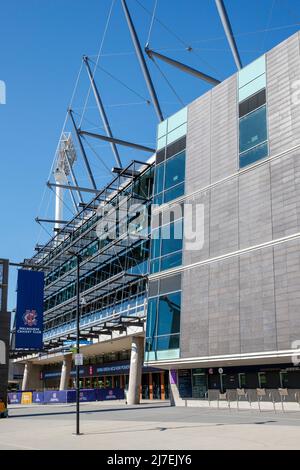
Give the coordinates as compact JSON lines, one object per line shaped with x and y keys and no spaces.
{"x":151,"y":317}
{"x":253,"y":155}
{"x":174,"y":193}
{"x":159,"y":179}
{"x":169,"y":314}
{"x":154,"y":266}
{"x":171,"y":261}
{"x":252,"y":103}
{"x":158,"y":199}
{"x":171,"y":238}
{"x":155,"y":243}
{"x":167,"y":342}
{"x":151,"y":344}
{"x":175,"y":170}
{"x":253,"y":129}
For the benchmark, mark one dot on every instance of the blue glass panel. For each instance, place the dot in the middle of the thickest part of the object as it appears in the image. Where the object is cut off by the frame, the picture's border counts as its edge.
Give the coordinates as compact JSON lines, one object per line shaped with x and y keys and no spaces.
{"x":175,"y":170}
{"x":167,"y":342}
{"x":253,"y":155}
{"x":159,"y":178}
{"x":155,"y":244}
{"x":171,"y":261}
{"x":253,"y":129}
{"x":169,"y":307}
{"x":154,"y":266}
{"x":170,"y":243}
{"x":174,"y":193}
{"x":158,"y":199}
{"x":150,"y":344}
{"x":151,"y":317}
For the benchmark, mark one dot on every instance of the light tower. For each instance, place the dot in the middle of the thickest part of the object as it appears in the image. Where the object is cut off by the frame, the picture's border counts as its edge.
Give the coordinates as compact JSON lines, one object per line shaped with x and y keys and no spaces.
{"x":63,"y":168}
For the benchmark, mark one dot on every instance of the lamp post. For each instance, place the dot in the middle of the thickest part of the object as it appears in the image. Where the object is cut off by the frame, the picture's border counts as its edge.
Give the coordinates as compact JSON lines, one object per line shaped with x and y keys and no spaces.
{"x":77,"y":356}
{"x":77,"y":365}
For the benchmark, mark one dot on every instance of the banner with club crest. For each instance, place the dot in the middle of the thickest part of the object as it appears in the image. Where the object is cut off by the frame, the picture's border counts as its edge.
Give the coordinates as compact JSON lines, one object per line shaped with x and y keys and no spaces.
{"x":29,"y":312}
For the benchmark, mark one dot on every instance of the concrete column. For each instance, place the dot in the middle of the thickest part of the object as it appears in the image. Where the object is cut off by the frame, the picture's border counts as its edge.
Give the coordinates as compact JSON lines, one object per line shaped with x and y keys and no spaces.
{"x":135,"y":373}
{"x":65,"y":372}
{"x":31,"y":377}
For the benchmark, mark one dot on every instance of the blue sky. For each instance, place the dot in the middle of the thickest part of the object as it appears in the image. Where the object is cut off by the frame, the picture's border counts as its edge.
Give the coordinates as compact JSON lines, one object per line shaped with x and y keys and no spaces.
{"x":42,"y":43}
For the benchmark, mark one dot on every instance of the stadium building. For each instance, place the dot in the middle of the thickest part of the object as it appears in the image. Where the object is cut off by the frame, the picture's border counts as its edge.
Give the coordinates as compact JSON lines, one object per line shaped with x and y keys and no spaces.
{"x":189,"y":263}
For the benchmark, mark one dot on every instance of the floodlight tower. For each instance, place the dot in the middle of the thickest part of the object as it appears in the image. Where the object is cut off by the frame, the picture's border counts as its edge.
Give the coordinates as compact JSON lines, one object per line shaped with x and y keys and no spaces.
{"x":63,"y":168}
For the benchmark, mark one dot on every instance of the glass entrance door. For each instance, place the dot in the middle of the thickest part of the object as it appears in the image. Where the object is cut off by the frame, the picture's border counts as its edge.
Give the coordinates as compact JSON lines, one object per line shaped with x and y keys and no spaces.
{"x":199,"y":384}
{"x":156,"y":386}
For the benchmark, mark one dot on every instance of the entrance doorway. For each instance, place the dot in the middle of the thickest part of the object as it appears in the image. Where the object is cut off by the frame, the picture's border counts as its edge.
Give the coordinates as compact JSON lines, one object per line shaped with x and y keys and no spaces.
{"x":199,"y":384}
{"x":145,"y":386}
{"x":156,"y":385}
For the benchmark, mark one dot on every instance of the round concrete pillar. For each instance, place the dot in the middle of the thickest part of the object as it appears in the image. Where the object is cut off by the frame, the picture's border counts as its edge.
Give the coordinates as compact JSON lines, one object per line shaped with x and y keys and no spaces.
{"x":65,"y":372}
{"x":135,"y":373}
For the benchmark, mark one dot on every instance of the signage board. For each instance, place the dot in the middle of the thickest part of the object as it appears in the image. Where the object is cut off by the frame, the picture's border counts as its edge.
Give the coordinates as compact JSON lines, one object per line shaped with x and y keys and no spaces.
{"x":29,"y":312}
{"x":78,"y":359}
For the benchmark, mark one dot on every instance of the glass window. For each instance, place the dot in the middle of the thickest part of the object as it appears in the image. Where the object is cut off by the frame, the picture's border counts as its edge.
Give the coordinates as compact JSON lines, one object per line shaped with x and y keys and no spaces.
{"x":175,"y":170}
{"x":284,"y":382}
{"x":174,"y":193}
{"x":158,"y":199}
{"x":154,"y":266}
{"x":253,"y":155}
{"x":150,"y":344}
{"x":169,"y":314}
{"x":155,"y":243}
{"x":151,"y":317}
{"x":242,"y":380}
{"x":169,"y":179}
{"x":167,"y":342}
{"x":262,"y":379}
{"x":253,"y":129}
{"x":159,"y":179}
{"x":171,"y":238}
{"x":171,"y":261}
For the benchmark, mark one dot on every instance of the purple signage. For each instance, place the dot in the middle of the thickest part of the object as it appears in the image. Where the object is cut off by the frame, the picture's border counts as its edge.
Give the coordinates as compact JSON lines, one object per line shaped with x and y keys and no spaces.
{"x":14,"y":398}
{"x":104,"y":394}
{"x":69,"y":396}
{"x":173,"y":377}
{"x":38,"y":397}
{"x":87,"y":395}
{"x":55,"y":397}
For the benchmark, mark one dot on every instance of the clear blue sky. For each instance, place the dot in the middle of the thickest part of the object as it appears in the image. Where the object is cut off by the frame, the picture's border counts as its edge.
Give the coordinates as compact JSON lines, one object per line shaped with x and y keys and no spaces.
{"x":42,"y":42}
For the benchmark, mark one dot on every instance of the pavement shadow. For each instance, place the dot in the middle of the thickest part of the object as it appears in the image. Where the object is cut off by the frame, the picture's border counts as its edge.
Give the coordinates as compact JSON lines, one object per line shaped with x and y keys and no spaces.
{"x":83,"y":412}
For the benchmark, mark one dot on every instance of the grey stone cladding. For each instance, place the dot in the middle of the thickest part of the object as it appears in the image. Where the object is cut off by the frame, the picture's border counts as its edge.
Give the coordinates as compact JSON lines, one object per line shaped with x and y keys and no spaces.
{"x":243,"y":294}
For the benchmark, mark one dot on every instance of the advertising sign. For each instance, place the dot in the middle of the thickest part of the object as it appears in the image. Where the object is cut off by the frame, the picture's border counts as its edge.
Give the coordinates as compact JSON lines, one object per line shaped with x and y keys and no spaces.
{"x":38,"y":397}
{"x":26,"y":398}
{"x":29,"y":312}
{"x":87,"y":395}
{"x":103,"y":394}
{"x":14,"y":398}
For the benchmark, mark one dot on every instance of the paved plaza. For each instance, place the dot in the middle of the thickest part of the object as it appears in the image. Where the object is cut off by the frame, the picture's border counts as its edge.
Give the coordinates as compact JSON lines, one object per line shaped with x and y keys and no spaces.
{"x":147,"y":426}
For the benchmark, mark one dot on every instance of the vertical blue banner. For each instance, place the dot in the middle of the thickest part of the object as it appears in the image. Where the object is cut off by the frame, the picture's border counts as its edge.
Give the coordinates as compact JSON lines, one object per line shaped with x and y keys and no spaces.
{"x":29,"y":312}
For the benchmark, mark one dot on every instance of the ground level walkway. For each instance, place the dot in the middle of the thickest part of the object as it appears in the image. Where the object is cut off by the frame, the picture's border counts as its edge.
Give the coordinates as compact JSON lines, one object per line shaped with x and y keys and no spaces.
{"x":154,"y":425}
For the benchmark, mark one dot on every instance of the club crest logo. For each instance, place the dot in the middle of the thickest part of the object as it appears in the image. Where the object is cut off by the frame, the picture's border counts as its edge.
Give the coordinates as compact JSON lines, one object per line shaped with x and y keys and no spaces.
{"x":30,"y":318}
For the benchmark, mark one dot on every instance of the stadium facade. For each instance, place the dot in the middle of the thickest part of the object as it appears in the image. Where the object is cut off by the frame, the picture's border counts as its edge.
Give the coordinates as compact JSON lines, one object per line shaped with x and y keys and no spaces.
{"x":212,"y":261}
